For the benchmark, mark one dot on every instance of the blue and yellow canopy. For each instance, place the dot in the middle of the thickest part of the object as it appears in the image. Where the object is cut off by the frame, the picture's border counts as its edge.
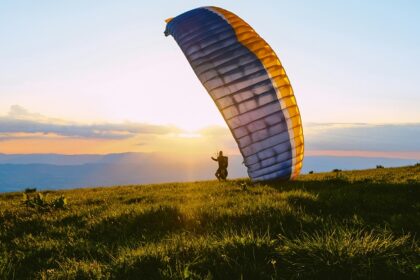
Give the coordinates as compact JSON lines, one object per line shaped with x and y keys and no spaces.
{"x":248,"y":84}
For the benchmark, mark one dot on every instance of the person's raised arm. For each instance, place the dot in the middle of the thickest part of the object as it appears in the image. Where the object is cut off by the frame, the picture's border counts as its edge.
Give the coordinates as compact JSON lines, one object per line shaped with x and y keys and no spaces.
{"x":215,"y":159}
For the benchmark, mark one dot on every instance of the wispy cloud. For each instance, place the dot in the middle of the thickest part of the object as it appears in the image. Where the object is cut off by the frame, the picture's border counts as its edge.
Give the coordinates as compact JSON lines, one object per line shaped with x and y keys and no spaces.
{"x":329,"y":139}
{"x":365,"y":154}
{"x":363,"y":137}
{"x":20,"y":123}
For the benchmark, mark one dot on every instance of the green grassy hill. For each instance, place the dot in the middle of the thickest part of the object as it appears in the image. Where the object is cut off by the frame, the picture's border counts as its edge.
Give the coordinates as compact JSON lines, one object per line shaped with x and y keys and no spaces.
{"x":339,"y":225}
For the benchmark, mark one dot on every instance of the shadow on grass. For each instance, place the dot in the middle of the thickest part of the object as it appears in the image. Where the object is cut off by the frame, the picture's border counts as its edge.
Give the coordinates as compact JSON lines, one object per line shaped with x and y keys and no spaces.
{"x":264,"y":219}
{"x":237,"y":257}
{"x":14,"y":226}
{"x":134,"y":227}
{"x":393,"y":205}
{"x":27,"y":257}
{"x":140,"y":199}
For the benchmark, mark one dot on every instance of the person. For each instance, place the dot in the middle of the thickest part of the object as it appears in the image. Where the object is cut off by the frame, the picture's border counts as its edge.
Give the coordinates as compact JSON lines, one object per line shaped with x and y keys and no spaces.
{"x":221,"y":173}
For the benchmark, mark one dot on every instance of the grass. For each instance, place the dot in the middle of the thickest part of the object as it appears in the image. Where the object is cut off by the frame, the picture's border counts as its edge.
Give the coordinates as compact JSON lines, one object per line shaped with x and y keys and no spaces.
{"x":339,"y":225}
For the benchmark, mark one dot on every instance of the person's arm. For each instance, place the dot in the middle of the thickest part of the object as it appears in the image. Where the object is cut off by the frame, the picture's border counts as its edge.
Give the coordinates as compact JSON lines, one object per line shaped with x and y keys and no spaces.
{"x":215,"y":159}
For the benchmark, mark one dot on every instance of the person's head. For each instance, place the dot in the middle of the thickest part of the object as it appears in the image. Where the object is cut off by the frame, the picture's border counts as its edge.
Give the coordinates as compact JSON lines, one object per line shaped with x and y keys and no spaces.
{"x":220,"y":153}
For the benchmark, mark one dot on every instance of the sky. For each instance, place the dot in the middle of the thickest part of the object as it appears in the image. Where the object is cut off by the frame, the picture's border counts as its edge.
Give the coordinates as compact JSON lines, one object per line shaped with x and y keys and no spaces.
{"x":100,"y":76}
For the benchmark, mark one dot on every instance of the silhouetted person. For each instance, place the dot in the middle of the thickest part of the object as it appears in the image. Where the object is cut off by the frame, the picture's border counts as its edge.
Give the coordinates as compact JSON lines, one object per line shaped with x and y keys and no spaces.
{"x":221,"y":173}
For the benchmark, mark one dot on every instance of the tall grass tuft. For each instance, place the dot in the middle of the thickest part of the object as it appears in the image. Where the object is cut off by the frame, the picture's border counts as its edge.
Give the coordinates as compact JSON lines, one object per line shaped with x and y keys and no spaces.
{"x":353,"y":253}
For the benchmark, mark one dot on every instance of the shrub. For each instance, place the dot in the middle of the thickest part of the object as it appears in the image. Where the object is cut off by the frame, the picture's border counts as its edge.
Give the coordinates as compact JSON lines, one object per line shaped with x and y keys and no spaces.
{"x":59,"y":203}
{"x":37,"y":201}
{"x":40,"y":201}
{"x":379,"y":166}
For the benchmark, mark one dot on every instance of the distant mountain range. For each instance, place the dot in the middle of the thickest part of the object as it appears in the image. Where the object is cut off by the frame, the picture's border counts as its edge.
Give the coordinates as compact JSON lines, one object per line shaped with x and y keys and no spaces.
{"x":59,"y":159}
{"x":55,"y":171}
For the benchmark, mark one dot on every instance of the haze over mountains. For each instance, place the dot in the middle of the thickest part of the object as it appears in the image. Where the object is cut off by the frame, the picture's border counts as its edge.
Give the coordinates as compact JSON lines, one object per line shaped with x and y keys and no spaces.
{"x":35,"y":147}
{"x":46,"y":171}
{"x":56,"y":171}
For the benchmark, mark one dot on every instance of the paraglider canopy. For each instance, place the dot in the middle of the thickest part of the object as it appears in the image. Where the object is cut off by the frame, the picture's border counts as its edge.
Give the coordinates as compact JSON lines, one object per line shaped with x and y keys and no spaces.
{"x":248,"y":84}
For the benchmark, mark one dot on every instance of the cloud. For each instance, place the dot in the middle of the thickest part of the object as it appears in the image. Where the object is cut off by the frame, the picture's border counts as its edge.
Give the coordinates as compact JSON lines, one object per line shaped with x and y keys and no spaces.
{"x":349,"y":137}
{"x":367,"y":137}
{"x":20,"y":123}
{"x":18,"y":112}
{"x":215,"y":131}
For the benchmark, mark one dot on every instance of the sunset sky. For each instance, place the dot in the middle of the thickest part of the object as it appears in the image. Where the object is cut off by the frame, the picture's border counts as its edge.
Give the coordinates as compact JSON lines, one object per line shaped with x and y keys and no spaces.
{"x":100,"y":76}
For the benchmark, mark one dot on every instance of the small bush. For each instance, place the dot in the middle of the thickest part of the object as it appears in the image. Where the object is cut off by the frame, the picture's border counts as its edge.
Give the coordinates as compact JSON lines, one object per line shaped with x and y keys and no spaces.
{"x":337,"y":170}
{"x":30,"y":190}
{"x":311,"y":172}
{"x":40,"y":201}
{"x":59,"y":203}
{"x":379,"y":166}
{"x":37,"y":201}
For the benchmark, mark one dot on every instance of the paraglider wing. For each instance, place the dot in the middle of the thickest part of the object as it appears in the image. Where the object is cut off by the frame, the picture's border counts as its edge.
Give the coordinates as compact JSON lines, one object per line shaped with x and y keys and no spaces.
{"x":249,"y":85}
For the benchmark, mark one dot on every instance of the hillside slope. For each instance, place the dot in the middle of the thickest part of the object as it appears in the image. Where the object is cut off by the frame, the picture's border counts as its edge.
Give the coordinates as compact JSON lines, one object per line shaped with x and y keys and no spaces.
{"x":340,"y":225}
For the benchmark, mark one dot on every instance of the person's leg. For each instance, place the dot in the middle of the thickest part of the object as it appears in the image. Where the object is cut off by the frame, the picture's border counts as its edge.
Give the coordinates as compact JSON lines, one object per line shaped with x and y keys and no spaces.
{"x":217,"y":174}
{"x":225,"y":174}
